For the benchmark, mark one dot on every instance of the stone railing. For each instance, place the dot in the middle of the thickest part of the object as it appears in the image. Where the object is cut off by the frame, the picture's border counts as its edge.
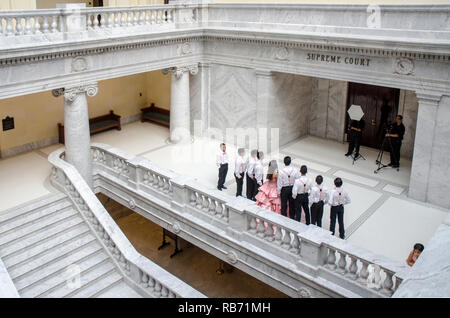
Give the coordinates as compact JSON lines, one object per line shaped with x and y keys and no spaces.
{"x":336,"y":260}
{"x":16,"y":23}
{"x":147,"y":276}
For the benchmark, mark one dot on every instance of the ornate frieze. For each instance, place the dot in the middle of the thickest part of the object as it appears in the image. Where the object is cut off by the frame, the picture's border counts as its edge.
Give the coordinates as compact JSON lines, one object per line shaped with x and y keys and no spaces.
{"x":404,"y":66}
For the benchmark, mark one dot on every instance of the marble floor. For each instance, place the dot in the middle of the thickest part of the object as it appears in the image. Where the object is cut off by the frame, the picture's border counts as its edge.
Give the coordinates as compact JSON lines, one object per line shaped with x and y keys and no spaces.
{"x":193,"y":265}
{"x":380,"y":218}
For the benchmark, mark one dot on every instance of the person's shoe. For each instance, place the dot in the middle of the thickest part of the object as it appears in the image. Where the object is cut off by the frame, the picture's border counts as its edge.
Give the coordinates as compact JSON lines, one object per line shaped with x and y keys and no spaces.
{"x":218,"y":188}
{"x":395,"y":166}
{"x":390,"y":164}
{"x":224,"y":187}
{"x":356,"y":155}
{"x":347,"y":154}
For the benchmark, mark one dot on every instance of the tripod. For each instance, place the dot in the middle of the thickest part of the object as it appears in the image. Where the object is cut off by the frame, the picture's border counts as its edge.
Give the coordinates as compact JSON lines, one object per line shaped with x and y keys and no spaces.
{"x":357,"y":157}
{"x":379,"y":159}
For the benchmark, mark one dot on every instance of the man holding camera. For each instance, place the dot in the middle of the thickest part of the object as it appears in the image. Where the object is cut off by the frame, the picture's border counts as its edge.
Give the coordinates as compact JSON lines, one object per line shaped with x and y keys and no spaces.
{"x":395,"y":133}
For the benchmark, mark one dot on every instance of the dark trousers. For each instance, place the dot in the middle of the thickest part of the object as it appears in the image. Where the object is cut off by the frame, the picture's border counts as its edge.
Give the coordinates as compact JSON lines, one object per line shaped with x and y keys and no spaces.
{"x":286,"y":196}
{"x":302,"y":201}
{"x":256,"y":187}
{"x":223,"y":170}
{"x":395,"y":153}
{"x":239,"y":184}
{"x":355,"y":141}
{"x":317,"y":213}
{"x":339,"y":212}
{"x":250,"y":187}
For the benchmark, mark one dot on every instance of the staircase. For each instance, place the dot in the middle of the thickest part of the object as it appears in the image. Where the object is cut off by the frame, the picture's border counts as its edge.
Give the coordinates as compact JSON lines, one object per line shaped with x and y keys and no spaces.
{"x":46,"y":243}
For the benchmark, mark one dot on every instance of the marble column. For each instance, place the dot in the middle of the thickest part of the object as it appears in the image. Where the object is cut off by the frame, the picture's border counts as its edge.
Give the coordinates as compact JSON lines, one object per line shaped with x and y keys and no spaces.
{"x":265,"y":101}
{"x":76,"y":128}
{"x":423,"y":145}
{"x":180,"y":102}
{"x":200,"y":100}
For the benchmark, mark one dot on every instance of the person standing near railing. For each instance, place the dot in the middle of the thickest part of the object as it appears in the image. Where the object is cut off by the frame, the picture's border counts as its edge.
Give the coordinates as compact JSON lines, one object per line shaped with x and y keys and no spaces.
{"x":259,"y":172}
{"x":222,"y":164}
{"x":286,"y":179}
{"x":239,"y":170}
{"x":300,"y":193}
{"x":338,"y":198}
{"x":250,"y":174}
{"x":318,"y":197}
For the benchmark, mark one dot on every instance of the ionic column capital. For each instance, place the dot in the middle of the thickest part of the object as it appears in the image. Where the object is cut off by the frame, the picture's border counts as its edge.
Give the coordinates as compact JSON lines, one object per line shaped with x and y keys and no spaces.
{"x":178,"y":71}
{"x":91,"y":89}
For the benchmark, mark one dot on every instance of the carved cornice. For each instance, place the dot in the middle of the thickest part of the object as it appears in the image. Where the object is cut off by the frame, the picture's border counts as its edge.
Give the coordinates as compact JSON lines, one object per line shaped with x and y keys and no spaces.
{"x":283,"y":48}
{"x":178,"y":71}
{"x":90,"y":89}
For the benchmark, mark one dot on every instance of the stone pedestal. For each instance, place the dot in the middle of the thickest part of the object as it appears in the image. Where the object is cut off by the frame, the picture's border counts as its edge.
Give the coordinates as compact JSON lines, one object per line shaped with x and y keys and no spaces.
{"x":76,"y":128}
{"x":180,"y":130}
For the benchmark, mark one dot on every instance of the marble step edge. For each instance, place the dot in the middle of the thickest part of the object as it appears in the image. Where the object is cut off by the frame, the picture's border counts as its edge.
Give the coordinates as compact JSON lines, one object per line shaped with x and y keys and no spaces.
{"x":70,"y":212}
{"x":48,"y":235}
{"x":110,"y":276}
{"x":86,"y":265}
{"x":119,"y":280}
{"x":32,"y":217}
{"x":20,"y":273}
{"x":32,"y":205}
{"x":58,"y":271}
{"x":42,"y":250}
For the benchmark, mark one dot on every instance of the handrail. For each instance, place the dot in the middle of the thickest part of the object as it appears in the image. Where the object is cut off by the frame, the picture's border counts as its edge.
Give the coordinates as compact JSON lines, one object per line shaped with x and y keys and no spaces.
{"x":153,"y":278}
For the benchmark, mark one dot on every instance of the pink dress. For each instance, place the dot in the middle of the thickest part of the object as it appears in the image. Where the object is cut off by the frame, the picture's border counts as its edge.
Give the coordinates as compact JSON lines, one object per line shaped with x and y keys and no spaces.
{"x":268,"y":197}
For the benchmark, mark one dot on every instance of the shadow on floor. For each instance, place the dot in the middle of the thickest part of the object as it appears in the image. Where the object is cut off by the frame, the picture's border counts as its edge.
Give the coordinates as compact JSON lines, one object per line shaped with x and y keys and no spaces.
{"x":193,"y":265}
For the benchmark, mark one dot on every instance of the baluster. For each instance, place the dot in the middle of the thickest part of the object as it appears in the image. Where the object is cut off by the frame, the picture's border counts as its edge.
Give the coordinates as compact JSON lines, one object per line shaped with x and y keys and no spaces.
{"x":130,"y":19}
{"x":37,"y":25}
{"x":286,"y":239}
{"x":103,"y":20}
{"x":363,"y":273}
{"x":144,"y":280}
{"x":169,"y":16}
{"x":19,"y":26}
{"x":193,"y":198}
{"x":28,"y":29}
{"x":147,"y":17}
{"x":224,"y":212}
{"x":278,"y":235}
{"x":219,"y":209}
{"x":45,"y":26}
{"x":158,"y":16}
{"x":199,"y":201}
{"x":166,"y":186}
{"x":331,"y":259}
{"x":157,"y":289}
{"x":212,"y":207}
{"x":160,"y":182}
{"x":269,"y":232}
{"x":342,"y":263}
{"x":205,"y":204}
{"x":54,"y":25}
{"x":164,"y":292}
{"x":124,"y":19}
{"x":145,"y":178}
{"x":117,"y":19}
{"x":9,"y":27}
{"x":353,"y":268}
{"x":111,"y":20}
{"x":95,"y":20}
{"x":387,"y":283}
{"x":261,"y":228}
{"x":171,"y":294}
{"x":152,"y":17}
{"x":137,"y":17}
{"x":151,"y":282}
{"x":295,"y":245}
{"x":398,"y":281}
{"x":252,"y":225}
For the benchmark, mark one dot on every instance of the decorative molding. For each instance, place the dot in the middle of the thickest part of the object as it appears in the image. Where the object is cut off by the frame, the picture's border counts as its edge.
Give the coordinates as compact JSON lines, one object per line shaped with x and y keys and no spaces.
{"x":176,"y":228}
{"x":232,"y":257}
{"x":90,"y":89}
{"x":58,"y":92}
{"x":404,"y":66}
{"x":131,"y":204}
{"x":178,"y":71}
{"x":184,"y":49}
{"x":282,"y":53}
{"x":304,"y":293}
{"x":79,"y":64}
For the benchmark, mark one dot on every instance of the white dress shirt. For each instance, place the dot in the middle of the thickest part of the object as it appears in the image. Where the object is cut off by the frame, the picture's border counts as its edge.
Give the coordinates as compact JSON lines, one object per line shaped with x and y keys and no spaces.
{"x":286,"y":177}
{"x":240,"y":166}
{"x":251,"y":165}
{"x":222,"y":158}
{"x":301,"y":185}
{"x":338,"y":196}
{"x":318,"y":193}
{"x":259,"y":172}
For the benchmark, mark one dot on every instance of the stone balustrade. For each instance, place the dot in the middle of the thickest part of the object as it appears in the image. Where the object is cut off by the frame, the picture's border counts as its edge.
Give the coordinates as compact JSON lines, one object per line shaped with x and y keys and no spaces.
{"x":147,"y":276}
{"x":18,"y":23}
{"x":338,"y":260}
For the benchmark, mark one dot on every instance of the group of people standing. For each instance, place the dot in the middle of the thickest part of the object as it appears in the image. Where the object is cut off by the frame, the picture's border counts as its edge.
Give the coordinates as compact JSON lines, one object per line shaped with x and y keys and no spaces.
{"x":286,"y":191}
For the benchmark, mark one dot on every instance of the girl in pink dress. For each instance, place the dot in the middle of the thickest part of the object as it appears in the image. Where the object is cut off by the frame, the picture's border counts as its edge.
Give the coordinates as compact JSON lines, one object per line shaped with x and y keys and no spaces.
{"x":267,"y":196}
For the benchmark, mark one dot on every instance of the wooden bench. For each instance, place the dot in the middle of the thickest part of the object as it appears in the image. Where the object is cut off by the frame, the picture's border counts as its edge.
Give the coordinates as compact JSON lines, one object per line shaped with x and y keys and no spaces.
{"x":96,"y":125}
{"x":156,"y":115}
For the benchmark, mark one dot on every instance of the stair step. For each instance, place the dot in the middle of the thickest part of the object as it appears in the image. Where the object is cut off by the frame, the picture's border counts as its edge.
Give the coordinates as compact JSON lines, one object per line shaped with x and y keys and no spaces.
{"x":46,"y":221}
{"x":49,"y":233}
{"x":48,"y":285}
{"x":46,"y":246}
{"x":121,"y":290}
{"x":29,"y":207}
{"x":51,"y":262}
{"x":32,"y":217}
{"x":91,"y":283}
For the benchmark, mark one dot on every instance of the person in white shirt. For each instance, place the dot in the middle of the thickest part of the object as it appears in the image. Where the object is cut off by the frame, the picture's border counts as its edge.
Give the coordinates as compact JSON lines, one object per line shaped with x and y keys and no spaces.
{"x":285,"y":182}
{"x":338,"y":198}
{"x":300,"y":193}
{"x":318,"y":197}
{"x":259,"y":172}
{"x":222,"y":164}
{"x":239,"y":170}
{"x":250,"y":175}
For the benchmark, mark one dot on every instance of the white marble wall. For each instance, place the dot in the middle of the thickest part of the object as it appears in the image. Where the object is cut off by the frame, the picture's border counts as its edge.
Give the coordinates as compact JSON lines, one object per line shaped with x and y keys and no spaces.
{"x":327,"y":112}
{"x":408,"y":106}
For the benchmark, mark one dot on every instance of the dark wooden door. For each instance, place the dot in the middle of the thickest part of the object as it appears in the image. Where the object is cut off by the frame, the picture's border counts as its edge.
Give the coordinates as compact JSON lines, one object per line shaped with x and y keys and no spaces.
{"x":380,"y":106}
